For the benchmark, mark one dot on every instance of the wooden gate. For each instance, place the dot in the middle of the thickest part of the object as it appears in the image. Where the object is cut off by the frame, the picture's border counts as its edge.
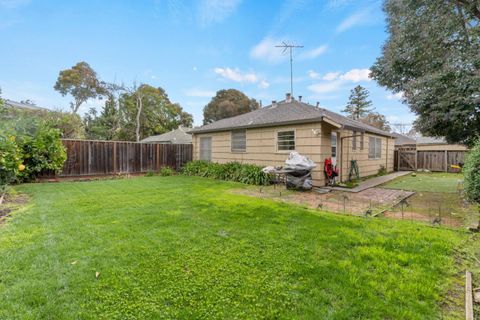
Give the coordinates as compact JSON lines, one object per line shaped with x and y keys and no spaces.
{"x":406,"y":158}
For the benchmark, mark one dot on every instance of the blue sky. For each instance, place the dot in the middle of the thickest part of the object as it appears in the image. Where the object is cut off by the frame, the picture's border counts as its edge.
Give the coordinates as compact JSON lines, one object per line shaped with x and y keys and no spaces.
{"x":194,"y":48}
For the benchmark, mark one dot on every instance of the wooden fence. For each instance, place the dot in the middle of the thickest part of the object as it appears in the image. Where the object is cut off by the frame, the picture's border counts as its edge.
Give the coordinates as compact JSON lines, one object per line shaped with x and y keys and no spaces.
{"x":92,"y":157}
{"x":428,"y":160}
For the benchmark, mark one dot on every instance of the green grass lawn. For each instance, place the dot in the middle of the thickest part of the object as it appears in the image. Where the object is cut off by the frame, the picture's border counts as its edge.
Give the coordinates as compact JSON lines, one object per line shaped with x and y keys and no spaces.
{"x":187,"y":248}
{"x":427,"y":182}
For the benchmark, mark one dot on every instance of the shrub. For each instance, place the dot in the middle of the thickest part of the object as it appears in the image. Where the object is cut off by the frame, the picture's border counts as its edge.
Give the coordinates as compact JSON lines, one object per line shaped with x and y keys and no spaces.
{"x":231,"y":171}
{"x":166,"y":171}
{"x":10,"y":160}
{"x":471,"y":172}
{"x":43,"y":151}
{"x":382,"y":170}
{"x":149,"y":173}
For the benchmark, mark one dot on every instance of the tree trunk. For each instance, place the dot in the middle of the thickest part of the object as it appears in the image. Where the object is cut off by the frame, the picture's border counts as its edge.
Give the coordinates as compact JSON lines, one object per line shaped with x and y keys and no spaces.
{"x":139,"y":112}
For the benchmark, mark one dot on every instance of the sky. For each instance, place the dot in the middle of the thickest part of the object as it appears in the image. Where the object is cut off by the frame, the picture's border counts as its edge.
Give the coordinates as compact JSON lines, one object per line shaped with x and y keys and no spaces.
{"x":194,"y":48}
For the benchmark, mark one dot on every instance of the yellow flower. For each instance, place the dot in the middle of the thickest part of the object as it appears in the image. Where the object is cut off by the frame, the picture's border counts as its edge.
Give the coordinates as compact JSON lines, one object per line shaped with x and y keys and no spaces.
{"x":21,"y":167}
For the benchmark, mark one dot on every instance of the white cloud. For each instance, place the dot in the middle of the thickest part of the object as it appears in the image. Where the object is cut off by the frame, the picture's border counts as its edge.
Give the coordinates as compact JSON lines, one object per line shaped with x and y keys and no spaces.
{"x":356,"y":75}
{"x":325,"y":87}
{"x":314,"y":53}
{"x":330,"y":76}
{"x":237,"y":75}
{"x":195,"y":92}
{"x":266,"y":50}
{"x":194,"y":68}
{"x":263,"y":84}
{"x":313,"y":75}
{"x":355,"y":19}
{"x":395,"y":96}
{"x":334,"y":81}
{"x":215,"y":11}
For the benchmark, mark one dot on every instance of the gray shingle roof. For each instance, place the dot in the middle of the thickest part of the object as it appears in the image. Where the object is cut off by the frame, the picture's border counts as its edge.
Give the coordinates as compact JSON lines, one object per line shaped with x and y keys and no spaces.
{"x":431,"y":140}
{"x":20,"y":105}
{"x":293,"y":112}
{"x":401,"y":139}
{"x":177,"y":136}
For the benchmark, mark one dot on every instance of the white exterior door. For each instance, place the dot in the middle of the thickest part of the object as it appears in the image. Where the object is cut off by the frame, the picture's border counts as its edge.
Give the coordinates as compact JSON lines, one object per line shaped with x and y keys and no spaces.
{"x":206,"y":148}
{"x":334,"y":148}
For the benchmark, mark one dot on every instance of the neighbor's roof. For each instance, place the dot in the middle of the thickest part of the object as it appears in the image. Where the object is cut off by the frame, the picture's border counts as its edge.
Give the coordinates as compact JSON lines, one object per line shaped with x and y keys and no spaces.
{"x":178,"y":136}
{"x":20,"y":105}
{"x":431,"y":140}
{"x":284,"y":113}
{"x":401,"y":139}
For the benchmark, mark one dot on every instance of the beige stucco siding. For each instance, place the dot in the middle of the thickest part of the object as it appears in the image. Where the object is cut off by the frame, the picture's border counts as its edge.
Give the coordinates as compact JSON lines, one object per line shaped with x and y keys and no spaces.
{"x":366,"y":166}
{"x":312,"y":140}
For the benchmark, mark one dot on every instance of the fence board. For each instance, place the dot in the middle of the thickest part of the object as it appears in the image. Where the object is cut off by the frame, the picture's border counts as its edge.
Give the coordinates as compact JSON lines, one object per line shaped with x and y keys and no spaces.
{"x":89,"y":157}
{"x":429,"y":160}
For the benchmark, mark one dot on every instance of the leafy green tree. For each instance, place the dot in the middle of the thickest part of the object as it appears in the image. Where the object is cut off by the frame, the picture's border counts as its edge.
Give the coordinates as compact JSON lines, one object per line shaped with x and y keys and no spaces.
{"x":376,"y":120}
{"x":106,"y":125}
{"x":432,"y":56}
{"x":146,"y":110}
{"x":228,"y":103}
{"x":358,"y":105}
{"x":81,"y":83}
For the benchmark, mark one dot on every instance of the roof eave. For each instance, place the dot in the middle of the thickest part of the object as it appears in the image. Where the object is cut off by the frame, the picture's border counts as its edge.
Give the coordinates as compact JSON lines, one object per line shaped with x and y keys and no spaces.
{"x":264,"y":125}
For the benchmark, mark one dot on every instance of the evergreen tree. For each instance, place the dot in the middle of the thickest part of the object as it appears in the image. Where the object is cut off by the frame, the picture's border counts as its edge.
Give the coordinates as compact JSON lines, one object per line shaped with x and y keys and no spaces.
{"x":358,"y":104}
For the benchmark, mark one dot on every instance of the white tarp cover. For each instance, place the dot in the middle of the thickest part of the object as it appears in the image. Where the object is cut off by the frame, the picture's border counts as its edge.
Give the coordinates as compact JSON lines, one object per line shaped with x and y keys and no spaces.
{"x":298,"y":162}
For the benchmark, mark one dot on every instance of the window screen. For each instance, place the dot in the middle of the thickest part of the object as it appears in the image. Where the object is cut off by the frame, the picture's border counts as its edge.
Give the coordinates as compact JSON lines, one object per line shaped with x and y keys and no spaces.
{"x":239,"y":140}
{"x":354,"y":141}
{"x":286,"y":140}
{"x":378,"y":148}
{"x":206,"y":148}
{"x":374,"y":148}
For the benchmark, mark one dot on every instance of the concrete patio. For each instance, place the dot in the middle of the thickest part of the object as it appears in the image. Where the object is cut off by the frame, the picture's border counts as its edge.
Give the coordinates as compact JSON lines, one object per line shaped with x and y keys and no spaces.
{"x":372,"y":182}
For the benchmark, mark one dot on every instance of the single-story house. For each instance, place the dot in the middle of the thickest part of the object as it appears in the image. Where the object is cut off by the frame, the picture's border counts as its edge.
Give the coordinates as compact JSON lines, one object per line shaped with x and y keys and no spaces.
{"x":22,"y":105}
{"x":177,"y":136}
{"x":403,"y":140}
{"x":437,"y":144}
{"x":266,"y":136}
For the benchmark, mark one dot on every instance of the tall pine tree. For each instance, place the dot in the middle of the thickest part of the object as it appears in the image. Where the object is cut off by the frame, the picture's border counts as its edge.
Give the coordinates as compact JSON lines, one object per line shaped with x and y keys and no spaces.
{"x":358,"y":104}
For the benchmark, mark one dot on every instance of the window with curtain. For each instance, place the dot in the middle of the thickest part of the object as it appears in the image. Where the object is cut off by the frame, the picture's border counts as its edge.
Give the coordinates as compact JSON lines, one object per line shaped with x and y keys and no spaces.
{"x":239,"y":140}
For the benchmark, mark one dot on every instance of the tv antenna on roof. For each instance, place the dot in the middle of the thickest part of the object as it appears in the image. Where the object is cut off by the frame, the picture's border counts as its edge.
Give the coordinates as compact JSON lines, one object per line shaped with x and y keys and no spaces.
{"x":289,"y":47}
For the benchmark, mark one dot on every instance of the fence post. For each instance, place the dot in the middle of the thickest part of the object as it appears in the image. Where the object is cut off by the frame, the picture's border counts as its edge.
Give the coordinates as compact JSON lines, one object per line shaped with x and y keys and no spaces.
{"x":115,"y":157}
{"x":416,"y":159}
{"x":446,"y":161}
{"x":158,"y":157}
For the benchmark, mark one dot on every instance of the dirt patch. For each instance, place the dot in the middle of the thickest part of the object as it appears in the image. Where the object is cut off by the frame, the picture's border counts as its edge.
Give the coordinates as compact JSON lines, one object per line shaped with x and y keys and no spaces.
{"x":11,"y":202}
{"x":370,"y":201}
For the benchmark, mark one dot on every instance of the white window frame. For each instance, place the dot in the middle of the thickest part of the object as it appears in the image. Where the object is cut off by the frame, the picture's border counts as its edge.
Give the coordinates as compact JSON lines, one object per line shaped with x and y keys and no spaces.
{"x":232,"y":133}
{"x":294,"y":140}
{"x":377,"y":148}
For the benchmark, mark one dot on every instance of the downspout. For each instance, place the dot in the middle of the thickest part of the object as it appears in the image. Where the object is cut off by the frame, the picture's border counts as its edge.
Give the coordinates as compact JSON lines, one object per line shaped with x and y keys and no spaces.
{"x":386,"y":157}
{"x":341,"y":153}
